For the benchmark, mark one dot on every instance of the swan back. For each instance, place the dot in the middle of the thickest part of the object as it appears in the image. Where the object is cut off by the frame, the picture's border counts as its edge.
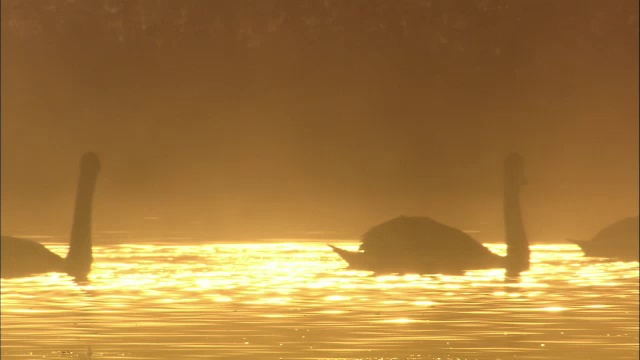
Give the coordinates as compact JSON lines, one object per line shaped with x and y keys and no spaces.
{"x":422,"y":237}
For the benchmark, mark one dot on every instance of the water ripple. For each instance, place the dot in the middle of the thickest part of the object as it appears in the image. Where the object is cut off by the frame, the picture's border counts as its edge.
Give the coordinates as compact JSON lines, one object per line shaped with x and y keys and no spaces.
{"x":297,"y":301}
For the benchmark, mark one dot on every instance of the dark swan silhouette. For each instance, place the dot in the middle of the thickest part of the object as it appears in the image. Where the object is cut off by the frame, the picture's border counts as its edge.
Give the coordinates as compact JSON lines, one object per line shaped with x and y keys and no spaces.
{"x":24,"y":257}
{"x":422,"y":245}
{"x":619,"y":240}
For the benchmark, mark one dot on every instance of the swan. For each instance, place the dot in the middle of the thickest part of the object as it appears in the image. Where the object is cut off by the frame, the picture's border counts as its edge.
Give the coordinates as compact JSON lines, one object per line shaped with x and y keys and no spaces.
{"x":409,"y":244}
{"x":24,"y":257}
{"x":618,"y":240}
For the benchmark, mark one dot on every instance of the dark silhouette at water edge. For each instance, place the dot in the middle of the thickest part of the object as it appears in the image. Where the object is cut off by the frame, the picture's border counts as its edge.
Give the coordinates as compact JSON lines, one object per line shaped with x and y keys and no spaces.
{"x":422,"y":245}
{"x":619,"y":240}
{"x":25,"y":257}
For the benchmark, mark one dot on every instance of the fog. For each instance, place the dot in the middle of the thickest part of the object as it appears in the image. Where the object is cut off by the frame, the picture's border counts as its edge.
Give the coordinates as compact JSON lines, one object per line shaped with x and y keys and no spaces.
{"x":292,"y":119}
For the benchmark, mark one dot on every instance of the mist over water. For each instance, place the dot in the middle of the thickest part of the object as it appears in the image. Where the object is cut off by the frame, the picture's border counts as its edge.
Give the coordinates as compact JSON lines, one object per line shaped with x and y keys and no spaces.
{"x":275,"y":119}
{"x":296,"y":300}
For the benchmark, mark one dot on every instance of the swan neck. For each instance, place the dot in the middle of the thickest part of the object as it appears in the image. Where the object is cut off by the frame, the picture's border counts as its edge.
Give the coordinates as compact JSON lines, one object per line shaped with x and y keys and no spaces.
{"x":80,"y":257}
{"x":517,"y":259}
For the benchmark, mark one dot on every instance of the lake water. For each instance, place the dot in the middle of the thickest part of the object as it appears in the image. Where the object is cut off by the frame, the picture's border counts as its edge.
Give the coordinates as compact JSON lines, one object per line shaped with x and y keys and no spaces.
{"x":296,"y":300}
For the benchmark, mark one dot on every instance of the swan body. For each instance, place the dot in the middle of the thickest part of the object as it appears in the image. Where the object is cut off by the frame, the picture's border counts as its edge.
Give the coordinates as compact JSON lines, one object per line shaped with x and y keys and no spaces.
{"x":24,"y":257}
{"x":619,"y":240}
{"x":409,"y":244}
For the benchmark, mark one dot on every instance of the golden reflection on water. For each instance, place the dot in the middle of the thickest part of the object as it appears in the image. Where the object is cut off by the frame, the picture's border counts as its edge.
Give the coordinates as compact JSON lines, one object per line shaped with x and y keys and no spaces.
{"x":297,"y":301}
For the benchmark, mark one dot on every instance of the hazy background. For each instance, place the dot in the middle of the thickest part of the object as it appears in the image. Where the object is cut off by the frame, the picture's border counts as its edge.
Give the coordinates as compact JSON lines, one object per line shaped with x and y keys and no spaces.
{"x":254,"y":119}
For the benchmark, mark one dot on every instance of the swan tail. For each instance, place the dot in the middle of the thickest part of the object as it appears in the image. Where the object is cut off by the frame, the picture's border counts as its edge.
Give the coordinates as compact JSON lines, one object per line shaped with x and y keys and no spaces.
{"x":346,"y":255}
{"x":355,"y":259}
{"x":337,"y":250}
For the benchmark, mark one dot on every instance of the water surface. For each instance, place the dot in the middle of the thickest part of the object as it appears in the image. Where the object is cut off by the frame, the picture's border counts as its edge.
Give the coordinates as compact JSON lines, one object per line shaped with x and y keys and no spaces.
{"x":296,"y":300}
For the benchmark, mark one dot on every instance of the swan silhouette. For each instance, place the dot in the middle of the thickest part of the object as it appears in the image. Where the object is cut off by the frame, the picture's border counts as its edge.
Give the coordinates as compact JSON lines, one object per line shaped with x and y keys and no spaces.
{"x":422,"y":245}
{"x":618,"y":240}
{"x":24,"y":257}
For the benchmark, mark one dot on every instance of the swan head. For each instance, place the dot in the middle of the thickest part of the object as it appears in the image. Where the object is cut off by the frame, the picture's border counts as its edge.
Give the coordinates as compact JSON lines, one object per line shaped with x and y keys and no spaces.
{"x":514,"y":170}
{"x":90,"y":163}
